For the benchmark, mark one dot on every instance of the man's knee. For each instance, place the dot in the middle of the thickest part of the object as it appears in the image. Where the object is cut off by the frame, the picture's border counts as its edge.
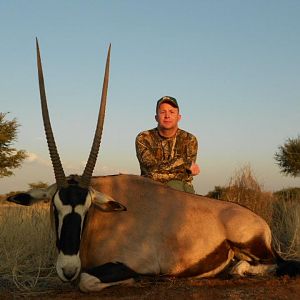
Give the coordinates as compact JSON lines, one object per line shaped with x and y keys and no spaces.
{"x":181,"y":186}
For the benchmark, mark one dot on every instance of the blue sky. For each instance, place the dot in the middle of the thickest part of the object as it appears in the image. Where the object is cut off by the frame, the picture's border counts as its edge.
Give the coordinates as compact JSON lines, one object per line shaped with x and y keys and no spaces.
{"x":234,"y":67}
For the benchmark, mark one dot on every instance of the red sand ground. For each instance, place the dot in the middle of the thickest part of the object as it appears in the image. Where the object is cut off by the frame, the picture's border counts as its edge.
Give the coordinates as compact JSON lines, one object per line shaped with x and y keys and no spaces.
{"x":246,"y":288}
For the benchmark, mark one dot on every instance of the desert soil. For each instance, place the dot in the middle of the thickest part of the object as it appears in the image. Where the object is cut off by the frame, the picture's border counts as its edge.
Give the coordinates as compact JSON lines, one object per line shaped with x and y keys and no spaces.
{"x":175,"y":289}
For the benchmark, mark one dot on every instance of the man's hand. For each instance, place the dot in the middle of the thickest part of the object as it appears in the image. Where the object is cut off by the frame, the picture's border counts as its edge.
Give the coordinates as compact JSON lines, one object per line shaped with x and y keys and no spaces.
{"x":195,"y":169}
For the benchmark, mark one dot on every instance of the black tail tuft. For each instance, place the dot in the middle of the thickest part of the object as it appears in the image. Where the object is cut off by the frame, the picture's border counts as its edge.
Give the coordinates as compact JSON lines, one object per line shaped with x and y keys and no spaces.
{"x":288,"y":267}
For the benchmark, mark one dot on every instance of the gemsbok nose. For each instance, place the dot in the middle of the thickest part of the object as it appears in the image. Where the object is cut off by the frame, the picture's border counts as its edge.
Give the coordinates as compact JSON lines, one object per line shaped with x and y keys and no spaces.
{"x":70,"y":273}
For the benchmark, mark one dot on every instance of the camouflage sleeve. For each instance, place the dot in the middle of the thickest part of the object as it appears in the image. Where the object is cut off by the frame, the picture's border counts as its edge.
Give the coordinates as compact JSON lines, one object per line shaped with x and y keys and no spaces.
{"x":192,"y":150}
{"x":144,"y":152}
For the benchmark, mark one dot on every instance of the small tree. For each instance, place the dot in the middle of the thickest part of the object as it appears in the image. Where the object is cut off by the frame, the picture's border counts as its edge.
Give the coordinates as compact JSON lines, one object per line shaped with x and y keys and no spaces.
{"x":218,"y":193}
{"x":10,"y":158}
{"x":288,"y":157}
{"x":38,"y":185}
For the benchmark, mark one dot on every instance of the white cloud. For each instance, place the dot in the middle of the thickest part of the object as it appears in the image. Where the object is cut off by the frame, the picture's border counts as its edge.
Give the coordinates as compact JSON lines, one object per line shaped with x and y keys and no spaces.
{"x":34,"y":158}
{"x":31,"y":157}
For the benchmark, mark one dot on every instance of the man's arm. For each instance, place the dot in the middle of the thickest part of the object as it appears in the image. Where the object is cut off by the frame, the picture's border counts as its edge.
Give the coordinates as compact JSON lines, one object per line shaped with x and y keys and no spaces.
{"x":192,"y":150}
{"x":194,"y":169}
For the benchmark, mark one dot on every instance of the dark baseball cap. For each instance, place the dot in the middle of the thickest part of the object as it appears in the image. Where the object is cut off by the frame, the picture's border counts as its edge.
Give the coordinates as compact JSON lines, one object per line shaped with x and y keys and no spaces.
{"x":167,"y":99}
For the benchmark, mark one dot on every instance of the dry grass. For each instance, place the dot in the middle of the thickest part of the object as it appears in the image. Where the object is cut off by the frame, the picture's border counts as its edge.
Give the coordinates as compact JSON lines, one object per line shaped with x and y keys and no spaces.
{"x":286,"y":227}
{"x":27,"y":249}
{"x":282,"y":213}
{"x":2,"y":199}
{"x":244,"y":189}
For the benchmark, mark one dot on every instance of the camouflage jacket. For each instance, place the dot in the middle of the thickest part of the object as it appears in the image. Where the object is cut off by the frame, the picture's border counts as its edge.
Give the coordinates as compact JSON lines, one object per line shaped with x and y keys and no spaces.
{"x":164,"y":159}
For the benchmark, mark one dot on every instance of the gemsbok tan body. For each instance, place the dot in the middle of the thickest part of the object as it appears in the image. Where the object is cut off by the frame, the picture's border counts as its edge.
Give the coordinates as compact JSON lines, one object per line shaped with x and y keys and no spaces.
{"x":113,"y":229}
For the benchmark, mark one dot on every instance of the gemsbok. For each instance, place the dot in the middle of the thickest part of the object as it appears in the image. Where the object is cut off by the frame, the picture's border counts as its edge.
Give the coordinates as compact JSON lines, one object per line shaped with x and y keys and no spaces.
{"x":113,"y":229}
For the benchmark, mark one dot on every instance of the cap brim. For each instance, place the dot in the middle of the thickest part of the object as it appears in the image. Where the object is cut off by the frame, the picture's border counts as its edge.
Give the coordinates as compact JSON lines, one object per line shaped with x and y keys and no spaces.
{"x":169,"y":102}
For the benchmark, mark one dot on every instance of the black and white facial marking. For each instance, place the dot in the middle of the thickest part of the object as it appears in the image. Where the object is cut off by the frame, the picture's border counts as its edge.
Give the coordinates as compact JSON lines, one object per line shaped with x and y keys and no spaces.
{"x":70,"y":207}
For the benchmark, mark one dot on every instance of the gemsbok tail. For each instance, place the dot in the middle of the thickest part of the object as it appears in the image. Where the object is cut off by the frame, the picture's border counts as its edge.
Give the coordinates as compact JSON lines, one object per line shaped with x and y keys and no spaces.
{"x":288,"y":267}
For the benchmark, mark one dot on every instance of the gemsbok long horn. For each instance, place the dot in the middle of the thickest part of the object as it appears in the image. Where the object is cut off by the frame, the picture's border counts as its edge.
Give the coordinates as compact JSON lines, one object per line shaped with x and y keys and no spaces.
{"x":57,"y":166}
{"x":90,"y":165}
{"x":56,"y":163}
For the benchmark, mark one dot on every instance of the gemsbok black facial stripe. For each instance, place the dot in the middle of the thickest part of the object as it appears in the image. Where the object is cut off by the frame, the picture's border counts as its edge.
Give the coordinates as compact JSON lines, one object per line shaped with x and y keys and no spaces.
{"x":69,"y":202}
{"x":73,"y":195}
{"x":69,"y":241}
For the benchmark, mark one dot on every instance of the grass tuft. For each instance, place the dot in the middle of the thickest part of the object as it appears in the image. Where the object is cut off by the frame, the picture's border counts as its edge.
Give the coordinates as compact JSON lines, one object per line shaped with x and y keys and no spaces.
{"x":27,"y":249}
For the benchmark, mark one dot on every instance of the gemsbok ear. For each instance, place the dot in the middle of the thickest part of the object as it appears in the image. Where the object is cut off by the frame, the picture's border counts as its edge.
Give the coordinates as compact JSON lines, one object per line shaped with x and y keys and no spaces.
{"x":33,"y":196}
{"x":21,"y":199}
{"x":105,"y":203}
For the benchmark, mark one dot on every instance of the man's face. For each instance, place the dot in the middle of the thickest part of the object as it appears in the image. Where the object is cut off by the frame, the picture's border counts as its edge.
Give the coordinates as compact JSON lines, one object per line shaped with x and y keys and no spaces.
{"x":167,"y":116}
